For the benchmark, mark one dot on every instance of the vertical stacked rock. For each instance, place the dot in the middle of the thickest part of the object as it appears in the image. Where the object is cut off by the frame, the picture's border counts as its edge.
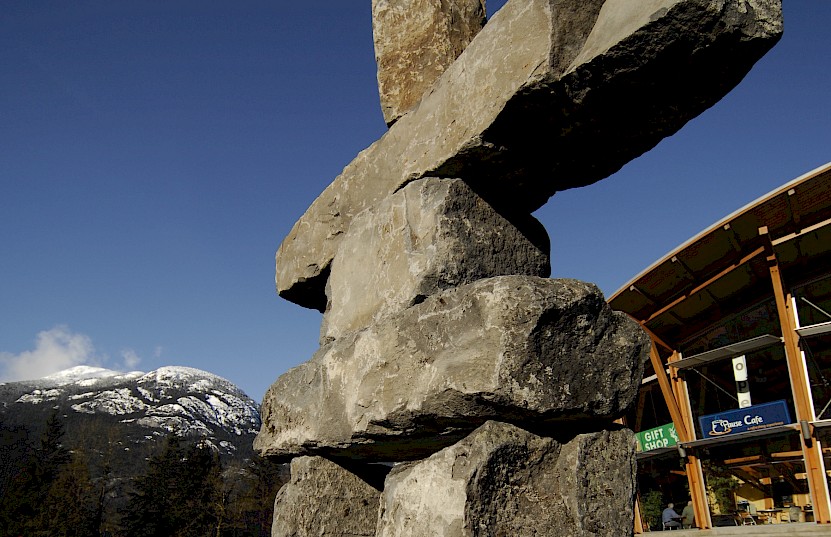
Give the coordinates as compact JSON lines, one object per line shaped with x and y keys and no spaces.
{"x":445,"y":348}
{"x":415,"y":42}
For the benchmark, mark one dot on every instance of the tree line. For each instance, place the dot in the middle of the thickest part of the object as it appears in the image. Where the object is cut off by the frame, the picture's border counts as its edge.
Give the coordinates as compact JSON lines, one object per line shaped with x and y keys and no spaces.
{"x":185,"y":490}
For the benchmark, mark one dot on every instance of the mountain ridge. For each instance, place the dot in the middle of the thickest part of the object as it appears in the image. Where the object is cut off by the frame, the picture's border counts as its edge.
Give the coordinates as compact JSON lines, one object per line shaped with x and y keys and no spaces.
{"x":189,"y":402}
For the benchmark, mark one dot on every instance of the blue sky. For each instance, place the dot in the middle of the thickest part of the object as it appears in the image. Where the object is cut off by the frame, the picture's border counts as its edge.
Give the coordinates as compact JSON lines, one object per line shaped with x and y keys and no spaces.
{"x":154,"y":154}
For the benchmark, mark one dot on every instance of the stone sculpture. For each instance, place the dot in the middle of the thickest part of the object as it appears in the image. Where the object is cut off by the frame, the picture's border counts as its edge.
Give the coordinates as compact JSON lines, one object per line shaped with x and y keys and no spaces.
{"x":444,"y":347}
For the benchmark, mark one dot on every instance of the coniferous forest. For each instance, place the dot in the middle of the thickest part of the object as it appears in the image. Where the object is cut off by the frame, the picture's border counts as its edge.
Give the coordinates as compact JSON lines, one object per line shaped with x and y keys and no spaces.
{"x":183,"y":489}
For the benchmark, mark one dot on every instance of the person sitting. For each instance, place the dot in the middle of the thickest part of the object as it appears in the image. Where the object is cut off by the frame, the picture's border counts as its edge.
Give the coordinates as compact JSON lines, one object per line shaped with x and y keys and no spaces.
{"x":670,"y":518}
{"x":688,"y":516}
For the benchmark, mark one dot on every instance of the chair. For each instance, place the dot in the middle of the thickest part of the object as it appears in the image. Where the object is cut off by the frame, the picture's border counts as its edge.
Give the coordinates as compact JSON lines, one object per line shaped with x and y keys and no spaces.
{"x":669,"y":528}
{"x":750,"y":515}
{"x":794,"y":512}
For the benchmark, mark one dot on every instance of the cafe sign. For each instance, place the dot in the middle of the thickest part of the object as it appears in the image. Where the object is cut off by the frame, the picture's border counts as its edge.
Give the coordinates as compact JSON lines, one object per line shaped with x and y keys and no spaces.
{"x":659,"y":437}
{"x":752,"y":418}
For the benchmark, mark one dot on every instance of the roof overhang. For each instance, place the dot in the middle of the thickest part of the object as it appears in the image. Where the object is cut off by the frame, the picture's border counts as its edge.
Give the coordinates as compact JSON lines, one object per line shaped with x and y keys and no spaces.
{"x":725,"y":268}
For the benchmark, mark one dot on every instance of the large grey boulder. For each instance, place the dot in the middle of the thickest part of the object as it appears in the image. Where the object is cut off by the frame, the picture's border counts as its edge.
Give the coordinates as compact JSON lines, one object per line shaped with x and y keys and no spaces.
{"x":415,"y":41}
{"x":551,"y":94}
{"x":515,"y":348}
{"x":505,"y":481}
{"x":324,"y":499}
{"x":431,"y":235}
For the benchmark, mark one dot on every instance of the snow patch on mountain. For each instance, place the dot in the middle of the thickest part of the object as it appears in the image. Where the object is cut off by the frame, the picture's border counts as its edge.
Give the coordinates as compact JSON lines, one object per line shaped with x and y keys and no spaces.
{"x":115,"y":402}
{"x":173,"y":398}
{"x":85,"y":375}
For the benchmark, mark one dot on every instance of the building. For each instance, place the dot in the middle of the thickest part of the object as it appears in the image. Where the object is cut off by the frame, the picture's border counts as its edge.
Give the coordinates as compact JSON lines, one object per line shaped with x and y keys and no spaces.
{"x":734,"y":412}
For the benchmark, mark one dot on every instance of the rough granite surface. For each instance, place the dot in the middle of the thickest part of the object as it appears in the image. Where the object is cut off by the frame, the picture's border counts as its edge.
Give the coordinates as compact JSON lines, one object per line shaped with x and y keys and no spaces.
{"x":505,"y":481}
{"x":520,"y":349}
{"x":324,"y":498}
{"x":431,"y":235}
{"x":415,"y":41}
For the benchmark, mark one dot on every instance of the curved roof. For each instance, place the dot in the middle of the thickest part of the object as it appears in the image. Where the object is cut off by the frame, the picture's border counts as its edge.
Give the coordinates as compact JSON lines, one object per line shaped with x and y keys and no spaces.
{"x":724,"y":268}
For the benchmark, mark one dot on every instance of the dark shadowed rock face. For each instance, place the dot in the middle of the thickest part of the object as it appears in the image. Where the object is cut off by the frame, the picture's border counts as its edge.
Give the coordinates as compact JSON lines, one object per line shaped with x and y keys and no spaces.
{"x":502,"y":480}
{"x":431,"y":235}
{"x":324,"y":499}
{"x":550,"y":95}
{"x":526,"y":350}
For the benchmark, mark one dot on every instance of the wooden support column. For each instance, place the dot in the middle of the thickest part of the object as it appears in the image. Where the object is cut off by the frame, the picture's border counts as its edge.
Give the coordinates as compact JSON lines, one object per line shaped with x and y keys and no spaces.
{"x":638,"y":521}
{"x":666,"y":391}
{"x":800,"y":386}
{"x":695,"y":474}
{"x":683,"y":427}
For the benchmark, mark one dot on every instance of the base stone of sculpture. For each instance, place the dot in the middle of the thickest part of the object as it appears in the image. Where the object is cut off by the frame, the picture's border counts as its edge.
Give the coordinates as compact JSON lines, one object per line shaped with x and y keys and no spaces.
{"x":503,"y":480}
{"x":323,"y":498}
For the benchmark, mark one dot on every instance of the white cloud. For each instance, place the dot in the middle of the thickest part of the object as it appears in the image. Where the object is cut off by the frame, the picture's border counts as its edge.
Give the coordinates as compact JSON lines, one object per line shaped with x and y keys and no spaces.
{"x":131,"y":359}
{"x":55,"y":350}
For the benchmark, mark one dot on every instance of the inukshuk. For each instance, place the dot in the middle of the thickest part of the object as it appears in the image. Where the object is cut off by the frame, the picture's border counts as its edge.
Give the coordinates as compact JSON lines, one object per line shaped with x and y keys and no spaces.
{"x":444,"y":345}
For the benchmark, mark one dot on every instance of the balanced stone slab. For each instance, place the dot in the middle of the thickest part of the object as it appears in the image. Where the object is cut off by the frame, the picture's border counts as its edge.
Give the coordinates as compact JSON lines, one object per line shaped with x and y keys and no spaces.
{"x":521,"y":349}
{"x":550,"y":95}
{"x":431,"y":235}
{"x":503,"y":480}
{"x":415,"y":41}
{"x":323,"y":498}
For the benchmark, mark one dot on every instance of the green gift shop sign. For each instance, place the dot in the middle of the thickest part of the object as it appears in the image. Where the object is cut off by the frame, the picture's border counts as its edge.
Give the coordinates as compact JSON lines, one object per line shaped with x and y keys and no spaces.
{"x":657,"y":438}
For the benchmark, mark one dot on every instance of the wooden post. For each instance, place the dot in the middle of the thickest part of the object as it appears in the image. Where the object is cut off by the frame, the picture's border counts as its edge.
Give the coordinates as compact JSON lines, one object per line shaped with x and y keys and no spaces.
{"x":800,"y":386}
{"x":695,"y":474}
{"x":685,"y":431}
{"x":666,"y":391}
{"x":638,"y":521}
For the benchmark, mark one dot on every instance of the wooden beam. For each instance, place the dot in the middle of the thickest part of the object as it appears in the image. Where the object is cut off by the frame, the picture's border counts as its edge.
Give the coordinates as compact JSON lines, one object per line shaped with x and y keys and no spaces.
{"x":638,"y":522}
{"x":748,"y":478}
{"x":692,"y":466}
{"x":635,"y":289}
{"x":669,"y":396}
{"x":696,"y":289}
{"x":654,"y":337}
{"x":641,"y":404}
{"x":793,"y":205}
{"x":800,"y":386}
{"x":787,"y":455}
{"x":731,"y":238}
{"x":744,"y":460}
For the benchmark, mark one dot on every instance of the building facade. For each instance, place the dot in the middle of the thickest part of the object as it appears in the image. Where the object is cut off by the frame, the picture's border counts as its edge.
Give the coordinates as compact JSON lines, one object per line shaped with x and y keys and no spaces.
{"x":734,"y":413}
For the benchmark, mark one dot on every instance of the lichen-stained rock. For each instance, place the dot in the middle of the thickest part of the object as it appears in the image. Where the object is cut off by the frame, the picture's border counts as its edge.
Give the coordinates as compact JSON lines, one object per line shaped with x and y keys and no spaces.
{"x":520,"y":349}
{"x":551,"y":94}
{"x":415,"y":41}
{"x":324,"y":498}
{"x":431,"y":235}
{"x":502,"y":480}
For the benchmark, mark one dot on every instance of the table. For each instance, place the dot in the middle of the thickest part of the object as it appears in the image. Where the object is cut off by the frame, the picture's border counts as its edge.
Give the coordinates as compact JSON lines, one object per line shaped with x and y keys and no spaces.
{"x":771,"y":514}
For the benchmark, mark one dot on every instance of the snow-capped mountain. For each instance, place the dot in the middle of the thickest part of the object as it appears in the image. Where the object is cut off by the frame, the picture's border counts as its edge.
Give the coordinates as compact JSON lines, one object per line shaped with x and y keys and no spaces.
{"x":135,"y":409}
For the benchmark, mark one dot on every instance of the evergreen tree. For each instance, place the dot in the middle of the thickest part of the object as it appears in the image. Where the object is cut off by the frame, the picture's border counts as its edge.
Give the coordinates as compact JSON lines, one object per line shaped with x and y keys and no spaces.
{"x":178,"y":496}
{"x":14,"y":449}
{"x":15,"y":498}
{"x":253,"y":485}
{"x":24,"y":506}
{"x":70,"y":505}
